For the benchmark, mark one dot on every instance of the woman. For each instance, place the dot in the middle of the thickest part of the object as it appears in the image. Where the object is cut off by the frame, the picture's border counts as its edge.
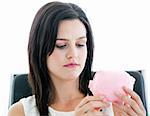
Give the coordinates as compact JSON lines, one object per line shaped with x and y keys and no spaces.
{"x":60,"y":53}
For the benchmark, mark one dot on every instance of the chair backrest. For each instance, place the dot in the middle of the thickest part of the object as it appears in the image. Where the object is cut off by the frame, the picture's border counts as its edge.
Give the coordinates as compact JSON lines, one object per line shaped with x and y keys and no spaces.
{"x":20,"y":87}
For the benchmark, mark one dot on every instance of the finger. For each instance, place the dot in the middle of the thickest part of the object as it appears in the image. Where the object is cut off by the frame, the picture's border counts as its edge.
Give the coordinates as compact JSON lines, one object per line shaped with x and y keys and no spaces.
{"x":90,"y":98}
{"x":93,"y":105}
{"x":130,"y":103}
{"x":135,"y":97}
{"x":118,"y":111}
{"x":98,"y":113}
{"x":95,"y":114}
{"x":124,"y":109}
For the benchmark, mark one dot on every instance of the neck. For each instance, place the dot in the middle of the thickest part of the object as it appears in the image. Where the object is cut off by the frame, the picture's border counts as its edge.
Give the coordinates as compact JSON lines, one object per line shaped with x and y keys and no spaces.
{"x":68,"y":90}
{"x":67,"y":94}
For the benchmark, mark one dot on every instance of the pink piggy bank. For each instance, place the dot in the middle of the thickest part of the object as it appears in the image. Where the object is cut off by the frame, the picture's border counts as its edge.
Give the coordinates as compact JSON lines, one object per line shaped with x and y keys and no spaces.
{"x":106,"y":83}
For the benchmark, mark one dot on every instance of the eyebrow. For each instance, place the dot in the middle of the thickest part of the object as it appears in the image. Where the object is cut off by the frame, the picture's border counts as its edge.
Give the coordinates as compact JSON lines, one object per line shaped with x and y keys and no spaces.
{"x":65,"y":39}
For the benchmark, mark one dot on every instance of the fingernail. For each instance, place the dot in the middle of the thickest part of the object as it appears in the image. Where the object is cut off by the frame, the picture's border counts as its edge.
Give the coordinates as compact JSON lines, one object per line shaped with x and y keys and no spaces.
{"x":97,"y":108}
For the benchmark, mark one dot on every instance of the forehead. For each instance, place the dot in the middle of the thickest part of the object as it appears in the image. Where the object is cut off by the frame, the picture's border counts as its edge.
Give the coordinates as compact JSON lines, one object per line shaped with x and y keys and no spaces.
{"x":71,"y":29}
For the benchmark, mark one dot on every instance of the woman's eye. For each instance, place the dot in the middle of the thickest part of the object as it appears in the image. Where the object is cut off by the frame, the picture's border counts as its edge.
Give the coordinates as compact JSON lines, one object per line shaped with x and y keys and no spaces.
{"x":60,"y":46}
{"x":80,"y":45}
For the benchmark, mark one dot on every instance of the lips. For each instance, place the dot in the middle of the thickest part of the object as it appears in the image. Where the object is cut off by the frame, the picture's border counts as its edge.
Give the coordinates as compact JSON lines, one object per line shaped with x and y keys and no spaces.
{"x":71,"y":65}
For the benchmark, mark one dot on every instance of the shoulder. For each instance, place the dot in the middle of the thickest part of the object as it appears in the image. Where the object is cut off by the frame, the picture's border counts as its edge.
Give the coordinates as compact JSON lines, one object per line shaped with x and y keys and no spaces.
{"x":25,"y":107}
{"x":16,"y":110}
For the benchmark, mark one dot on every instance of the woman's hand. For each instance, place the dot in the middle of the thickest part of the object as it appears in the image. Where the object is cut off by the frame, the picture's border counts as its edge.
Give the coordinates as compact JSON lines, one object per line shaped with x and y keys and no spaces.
{"x":132,"y":106}
{"x":90,"y":106}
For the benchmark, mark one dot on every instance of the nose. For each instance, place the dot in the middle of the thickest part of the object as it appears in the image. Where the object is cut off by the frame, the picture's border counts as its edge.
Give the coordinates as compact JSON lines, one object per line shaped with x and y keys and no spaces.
{"x":71,"y":53}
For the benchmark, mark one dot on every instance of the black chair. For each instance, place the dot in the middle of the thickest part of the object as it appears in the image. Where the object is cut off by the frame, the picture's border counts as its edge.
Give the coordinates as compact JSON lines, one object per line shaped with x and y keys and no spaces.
{"x":20,"y":87}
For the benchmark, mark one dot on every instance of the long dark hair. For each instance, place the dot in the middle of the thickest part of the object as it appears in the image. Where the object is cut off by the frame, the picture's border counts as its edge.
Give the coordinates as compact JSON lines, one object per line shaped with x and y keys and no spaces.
{"x":41,"y":44}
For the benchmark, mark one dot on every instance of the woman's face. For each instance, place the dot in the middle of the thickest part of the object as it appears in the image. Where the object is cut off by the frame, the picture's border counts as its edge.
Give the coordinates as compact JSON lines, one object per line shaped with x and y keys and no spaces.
{"x":69,"y":56}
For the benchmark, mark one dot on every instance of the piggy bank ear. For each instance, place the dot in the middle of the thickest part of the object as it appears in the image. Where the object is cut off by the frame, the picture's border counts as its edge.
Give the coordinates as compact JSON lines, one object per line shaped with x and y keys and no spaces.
{"x":90,"y":84}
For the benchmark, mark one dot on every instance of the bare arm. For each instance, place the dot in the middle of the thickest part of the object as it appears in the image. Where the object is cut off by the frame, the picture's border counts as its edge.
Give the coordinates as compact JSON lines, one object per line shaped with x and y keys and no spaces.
{"x":16,"y":110}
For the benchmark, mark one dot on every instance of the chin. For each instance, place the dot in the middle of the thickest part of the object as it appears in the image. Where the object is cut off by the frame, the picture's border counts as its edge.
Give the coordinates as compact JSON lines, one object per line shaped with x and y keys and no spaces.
{"x":73,"y":75}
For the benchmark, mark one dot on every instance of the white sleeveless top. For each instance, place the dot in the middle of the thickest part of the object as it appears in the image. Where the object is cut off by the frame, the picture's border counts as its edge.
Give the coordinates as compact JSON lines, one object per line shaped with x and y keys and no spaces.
{"x":30,"y":108}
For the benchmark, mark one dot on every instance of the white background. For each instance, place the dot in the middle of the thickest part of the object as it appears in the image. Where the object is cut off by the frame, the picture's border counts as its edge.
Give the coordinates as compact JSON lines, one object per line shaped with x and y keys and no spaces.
{"x":121,"y":32}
